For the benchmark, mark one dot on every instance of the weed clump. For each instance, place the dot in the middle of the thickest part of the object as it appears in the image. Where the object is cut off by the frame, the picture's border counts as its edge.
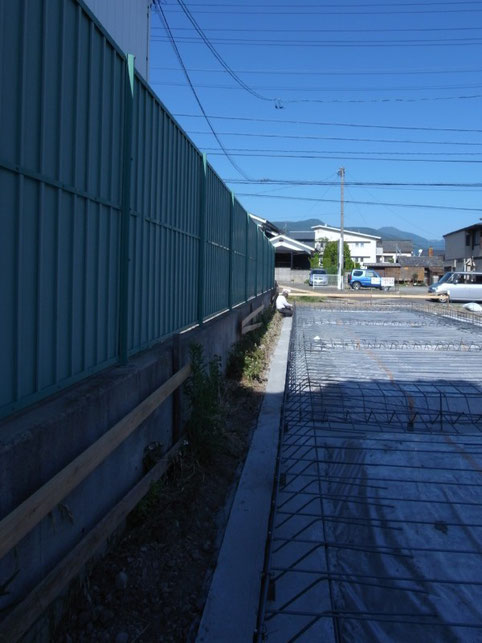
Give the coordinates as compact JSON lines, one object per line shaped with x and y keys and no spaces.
{"x":249,"y":357}
{"x":204,"y":390}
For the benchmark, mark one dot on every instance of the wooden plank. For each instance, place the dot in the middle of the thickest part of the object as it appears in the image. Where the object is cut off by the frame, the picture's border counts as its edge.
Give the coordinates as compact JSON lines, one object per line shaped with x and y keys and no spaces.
{"x":251,"y":316}
{"x":22,"y":519}
{"x":359,"y":295}
{"x":248,"y":329}
{"x":24,"y":615}
{"x":176,"y":396}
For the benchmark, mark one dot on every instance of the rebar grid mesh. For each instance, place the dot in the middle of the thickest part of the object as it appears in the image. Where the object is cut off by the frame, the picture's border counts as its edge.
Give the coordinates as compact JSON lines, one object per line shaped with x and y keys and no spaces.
{"x":376,"y":529}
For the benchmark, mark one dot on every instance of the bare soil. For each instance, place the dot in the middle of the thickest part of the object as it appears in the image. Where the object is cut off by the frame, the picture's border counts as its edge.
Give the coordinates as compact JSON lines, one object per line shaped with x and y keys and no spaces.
{"x":152,"y":585}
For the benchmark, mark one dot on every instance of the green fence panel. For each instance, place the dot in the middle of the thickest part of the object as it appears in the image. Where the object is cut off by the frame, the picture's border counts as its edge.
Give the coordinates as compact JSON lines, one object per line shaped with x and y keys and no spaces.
{"x":217,"y":245}
{"x":60,"y":169}
{"x":164,"y":235}
{"x":239,"y":250}
{"x":115,"y":233}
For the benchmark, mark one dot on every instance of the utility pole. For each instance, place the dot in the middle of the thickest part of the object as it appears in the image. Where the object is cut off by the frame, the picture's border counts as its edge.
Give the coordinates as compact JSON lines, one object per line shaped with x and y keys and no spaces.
{"x":341,"y":252}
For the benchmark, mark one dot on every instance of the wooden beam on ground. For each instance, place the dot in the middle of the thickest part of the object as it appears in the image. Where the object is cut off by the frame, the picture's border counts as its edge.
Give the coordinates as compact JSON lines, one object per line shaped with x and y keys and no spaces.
{"x":23,"y":519}
{"x":359,"y":295}
{"x":251,"y":316}
{"x":26,"y":613}
{"x":248,"y":329}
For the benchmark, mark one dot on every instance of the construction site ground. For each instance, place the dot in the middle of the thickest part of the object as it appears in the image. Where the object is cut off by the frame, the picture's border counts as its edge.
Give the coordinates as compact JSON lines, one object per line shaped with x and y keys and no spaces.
{"x":375,"y":524}
{"x":357,"y":516}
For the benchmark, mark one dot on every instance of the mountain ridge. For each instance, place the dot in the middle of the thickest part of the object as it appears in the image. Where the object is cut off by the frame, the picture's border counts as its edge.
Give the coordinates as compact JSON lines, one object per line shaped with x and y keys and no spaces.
{"x":389,"y":233}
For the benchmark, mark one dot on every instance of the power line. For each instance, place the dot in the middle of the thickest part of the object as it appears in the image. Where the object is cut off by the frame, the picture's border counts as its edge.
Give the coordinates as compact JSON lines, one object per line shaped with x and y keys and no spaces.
{"x":351,"y":158}
{"x":219,"y":58}
{"x":158,"y":6}
{"x":382,"y":203}
{"x":452,"y":42}
{"x":223,"y":9}
{"x":335,"y":124}
{"x":342,"y":152}
{"x":332,"y":89}
{"x":288,"y":101}
{"x":338,"y":6}
{"x":301,"y":72}
{"x":300,"y":137}
{"x":303,"y":30}
{"x":297,"y":182}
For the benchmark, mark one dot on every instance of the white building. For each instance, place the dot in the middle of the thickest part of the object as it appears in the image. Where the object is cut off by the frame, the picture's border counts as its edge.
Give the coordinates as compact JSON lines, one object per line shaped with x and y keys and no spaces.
{"x":363,"y":247}
{"x":128,"y":22}
{"x":391,"y":250}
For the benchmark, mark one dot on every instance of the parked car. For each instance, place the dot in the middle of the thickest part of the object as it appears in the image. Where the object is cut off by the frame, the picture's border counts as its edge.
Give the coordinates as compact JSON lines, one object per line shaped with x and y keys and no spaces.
{"x":363,"y":278}
{"x":458,"y":286}
{"x":318,"y":277}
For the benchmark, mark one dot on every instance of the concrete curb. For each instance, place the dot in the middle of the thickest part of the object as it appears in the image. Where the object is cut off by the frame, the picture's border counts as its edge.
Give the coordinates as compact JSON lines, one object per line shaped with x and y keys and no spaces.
{"x":232,"y":603}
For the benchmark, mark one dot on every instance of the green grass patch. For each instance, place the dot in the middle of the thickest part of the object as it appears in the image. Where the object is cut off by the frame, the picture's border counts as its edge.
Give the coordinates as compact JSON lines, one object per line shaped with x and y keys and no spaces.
{"x":250,"y":355}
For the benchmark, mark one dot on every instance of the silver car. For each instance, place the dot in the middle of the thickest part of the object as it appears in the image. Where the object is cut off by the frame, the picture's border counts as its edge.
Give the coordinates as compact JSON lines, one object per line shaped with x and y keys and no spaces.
{"x":458,"y":286}
{"x":318,"y":277}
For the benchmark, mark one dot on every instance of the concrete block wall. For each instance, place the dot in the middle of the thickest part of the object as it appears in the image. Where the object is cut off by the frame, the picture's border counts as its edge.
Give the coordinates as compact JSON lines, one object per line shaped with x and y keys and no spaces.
{"x":42,"y":440}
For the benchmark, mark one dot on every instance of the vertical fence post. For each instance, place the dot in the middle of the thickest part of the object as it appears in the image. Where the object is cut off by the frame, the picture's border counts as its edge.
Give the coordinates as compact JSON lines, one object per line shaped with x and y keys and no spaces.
{"x":246,"y":246}
{"x":202,"y":241}
{"x":125,"y":210}
{"x":231,"y":243}
{"x":256,"y":263}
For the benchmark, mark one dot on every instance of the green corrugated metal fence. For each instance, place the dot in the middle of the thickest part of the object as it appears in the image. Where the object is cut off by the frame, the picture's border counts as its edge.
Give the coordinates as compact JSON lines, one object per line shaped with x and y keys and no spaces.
{"x":115,"y":232}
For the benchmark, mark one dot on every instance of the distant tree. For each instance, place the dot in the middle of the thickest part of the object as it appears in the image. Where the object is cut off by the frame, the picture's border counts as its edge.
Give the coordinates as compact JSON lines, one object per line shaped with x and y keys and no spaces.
{"x":330,"y":257}
{"x":315,"y":260}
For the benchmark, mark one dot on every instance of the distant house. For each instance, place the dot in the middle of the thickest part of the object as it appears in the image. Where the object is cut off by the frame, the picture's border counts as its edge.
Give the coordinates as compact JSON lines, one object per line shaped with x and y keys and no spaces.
{"x":422,"y":269}
{"x":389,"y":269}
{"x":463,"y":248}
{"x":412,"y":269}
{"x":305,"y":236}
{"x":290,"y":252}
{"x":363,"y":247}
{"x":389,"y":250}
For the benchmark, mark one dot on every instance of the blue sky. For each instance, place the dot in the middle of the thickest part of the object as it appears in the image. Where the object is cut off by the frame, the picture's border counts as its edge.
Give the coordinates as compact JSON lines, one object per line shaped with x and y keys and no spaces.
{"x":390,"y":91}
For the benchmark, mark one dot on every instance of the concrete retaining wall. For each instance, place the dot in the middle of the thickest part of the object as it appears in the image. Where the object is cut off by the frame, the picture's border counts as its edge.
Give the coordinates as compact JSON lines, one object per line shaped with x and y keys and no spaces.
{"x":39,"y":442}
{"x":286,"y":275}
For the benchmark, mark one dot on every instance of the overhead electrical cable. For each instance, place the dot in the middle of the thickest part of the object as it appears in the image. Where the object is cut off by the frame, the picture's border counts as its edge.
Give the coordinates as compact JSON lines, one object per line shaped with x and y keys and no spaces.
{"x":303,"y":72}
{"x":351,"y":158}
{"x":444,"y":42}
{"x":338,"y":6}
{"x":381,"y":203}
{"x":254,"y":10}
{"x":299,"y":182}
{"x":219,"y":58}
{"x":335,"y":124}
{"x":398,"y":99}
{"x":342,"y":152}
{"x":158,"y":6}
{"x":294,"y":29}
{"x":278,"y":103}
{"x":333,"y":89}
{"x":300,"y":137}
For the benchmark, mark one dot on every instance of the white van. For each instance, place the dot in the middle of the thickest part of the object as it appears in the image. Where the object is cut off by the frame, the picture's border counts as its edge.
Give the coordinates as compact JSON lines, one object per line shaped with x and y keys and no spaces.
{"x":458,"y":286}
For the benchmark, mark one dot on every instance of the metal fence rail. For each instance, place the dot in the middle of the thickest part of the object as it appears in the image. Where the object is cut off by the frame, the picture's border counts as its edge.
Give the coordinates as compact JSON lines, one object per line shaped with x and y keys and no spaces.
{"x":115,"y":231}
